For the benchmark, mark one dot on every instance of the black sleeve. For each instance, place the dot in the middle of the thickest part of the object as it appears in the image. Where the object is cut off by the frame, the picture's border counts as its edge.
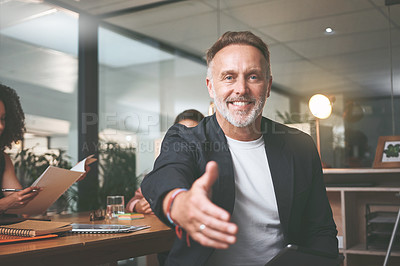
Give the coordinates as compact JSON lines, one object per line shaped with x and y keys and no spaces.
{"x":174,"y":168}
{"x":320,"y":229}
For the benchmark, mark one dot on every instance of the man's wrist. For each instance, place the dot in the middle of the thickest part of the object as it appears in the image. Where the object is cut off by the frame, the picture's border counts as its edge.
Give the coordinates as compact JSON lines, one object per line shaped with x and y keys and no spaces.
{"x":169,"y":201}
{"x":166,"y":199}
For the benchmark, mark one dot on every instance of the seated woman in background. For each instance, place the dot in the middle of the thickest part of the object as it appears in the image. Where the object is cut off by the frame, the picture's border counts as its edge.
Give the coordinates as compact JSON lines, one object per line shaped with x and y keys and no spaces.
{"x":12,"y":128}
{"x":138,"y":203}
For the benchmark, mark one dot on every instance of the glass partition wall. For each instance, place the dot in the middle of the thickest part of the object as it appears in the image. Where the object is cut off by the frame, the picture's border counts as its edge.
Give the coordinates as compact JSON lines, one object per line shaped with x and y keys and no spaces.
{"x":151,"y":67}
{"x":38,"y":55}
{"x":142,"y":89}
{"x":345,"y":50}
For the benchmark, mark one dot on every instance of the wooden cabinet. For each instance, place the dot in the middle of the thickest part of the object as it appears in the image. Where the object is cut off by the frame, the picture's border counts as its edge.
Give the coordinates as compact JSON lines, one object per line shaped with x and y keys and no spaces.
{"x":380,"y":220}
{"x":348,"y":194}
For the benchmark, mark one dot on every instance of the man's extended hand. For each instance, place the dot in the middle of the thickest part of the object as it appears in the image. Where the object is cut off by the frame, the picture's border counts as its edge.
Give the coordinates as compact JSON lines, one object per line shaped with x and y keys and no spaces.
{"x":193,"y":209}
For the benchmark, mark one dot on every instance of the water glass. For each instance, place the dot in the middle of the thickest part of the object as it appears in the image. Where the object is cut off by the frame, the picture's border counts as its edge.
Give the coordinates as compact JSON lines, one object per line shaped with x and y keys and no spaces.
{"x":115,"y":205}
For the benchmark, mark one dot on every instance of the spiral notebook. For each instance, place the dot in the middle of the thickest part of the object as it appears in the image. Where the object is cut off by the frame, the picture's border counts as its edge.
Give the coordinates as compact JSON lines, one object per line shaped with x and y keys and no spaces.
{"x":5,"y":239}
{"x":105,"y":228}
{"x":31,"y":228}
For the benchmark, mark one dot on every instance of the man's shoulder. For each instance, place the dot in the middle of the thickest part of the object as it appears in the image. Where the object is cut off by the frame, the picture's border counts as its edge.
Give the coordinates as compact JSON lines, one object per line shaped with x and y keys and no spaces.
{"x":285,"y":134}
{"x":270,"y":126}
{"x":201,"y":132}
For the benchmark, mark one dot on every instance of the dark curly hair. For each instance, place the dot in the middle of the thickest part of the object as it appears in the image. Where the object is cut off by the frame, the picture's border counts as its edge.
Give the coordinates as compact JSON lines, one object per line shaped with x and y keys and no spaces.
{"x":15,"y":119}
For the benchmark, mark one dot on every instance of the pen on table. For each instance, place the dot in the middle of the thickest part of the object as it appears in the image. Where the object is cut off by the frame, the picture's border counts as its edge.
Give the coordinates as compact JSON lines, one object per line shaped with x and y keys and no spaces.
{"x":10,"y":189}
{"x":14,"y":190}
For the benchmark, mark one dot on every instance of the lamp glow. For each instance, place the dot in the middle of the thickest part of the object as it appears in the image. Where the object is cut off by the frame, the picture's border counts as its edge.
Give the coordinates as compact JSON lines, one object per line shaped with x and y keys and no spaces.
{"x":320,"y":106}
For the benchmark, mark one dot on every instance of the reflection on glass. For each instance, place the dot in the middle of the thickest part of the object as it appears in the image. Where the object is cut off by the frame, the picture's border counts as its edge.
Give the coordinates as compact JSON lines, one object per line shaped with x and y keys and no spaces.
{"x":140,"y":97}
{"x":143,"y":87}
{"x":38,"y":51}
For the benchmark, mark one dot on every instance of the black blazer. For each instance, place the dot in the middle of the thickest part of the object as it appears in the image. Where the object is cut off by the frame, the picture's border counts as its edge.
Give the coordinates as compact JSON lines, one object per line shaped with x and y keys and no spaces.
{"x":304,"y":210}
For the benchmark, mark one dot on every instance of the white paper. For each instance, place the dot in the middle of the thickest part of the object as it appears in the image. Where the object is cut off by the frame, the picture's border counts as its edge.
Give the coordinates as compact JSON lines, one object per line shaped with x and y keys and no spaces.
{"x":80,"y":167}
{"x":54,"y":182}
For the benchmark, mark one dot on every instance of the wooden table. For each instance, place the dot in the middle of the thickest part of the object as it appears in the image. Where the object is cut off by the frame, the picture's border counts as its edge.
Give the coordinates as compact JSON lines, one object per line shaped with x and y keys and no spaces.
{"x":90,"y":249}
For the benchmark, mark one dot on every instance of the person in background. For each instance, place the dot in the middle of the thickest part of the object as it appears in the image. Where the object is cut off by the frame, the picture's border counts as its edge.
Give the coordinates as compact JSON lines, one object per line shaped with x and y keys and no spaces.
{"x":239,"y":187}
{"x":12,"y":128}
{"x":188,"y":118}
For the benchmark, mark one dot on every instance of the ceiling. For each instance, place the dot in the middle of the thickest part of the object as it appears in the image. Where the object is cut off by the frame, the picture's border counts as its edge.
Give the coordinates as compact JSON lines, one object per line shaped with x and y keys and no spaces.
{"x":354,"y":59}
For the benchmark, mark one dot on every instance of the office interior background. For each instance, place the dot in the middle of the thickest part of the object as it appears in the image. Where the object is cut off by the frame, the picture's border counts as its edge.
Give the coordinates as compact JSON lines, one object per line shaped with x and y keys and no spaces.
{"x":132,"y":66}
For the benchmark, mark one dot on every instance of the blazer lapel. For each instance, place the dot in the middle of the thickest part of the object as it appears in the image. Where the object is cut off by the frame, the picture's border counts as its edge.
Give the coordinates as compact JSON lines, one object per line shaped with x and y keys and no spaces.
{"x":217,"y":150}
{"x":280,"y":162}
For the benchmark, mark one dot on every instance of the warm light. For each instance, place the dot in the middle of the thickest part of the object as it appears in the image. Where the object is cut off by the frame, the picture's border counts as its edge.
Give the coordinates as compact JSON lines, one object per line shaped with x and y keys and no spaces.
{"x":320,"y":106}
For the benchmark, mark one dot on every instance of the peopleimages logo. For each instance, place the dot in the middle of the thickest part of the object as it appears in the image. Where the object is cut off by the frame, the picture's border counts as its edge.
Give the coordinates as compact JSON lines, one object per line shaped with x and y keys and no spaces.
{"x":132,"y":122}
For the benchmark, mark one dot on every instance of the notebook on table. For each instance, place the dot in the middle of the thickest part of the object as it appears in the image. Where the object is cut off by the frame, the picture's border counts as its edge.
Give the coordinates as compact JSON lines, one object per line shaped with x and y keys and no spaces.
{"x":5,"y":239}
{"x":32,"y":228}
{"x":105,"y":228}
{"x":130,"y":216}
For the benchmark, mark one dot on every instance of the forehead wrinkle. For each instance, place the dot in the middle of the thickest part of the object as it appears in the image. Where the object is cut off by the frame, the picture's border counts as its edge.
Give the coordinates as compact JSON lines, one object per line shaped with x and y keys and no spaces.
{"x":237,"y":61}
{"x":246,"y":71}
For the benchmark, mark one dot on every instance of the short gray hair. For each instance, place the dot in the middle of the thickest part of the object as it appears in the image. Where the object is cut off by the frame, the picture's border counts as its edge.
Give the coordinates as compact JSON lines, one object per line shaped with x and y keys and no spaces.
{"x":237,"y":37}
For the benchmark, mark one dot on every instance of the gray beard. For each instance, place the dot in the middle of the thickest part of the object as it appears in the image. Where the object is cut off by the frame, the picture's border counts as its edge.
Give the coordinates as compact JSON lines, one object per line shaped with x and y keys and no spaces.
{"x":245,"y":118}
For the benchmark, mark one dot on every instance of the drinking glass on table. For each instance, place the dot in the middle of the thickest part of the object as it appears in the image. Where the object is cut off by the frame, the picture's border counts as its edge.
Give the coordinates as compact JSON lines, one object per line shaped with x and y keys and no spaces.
{"x":115,"y":205}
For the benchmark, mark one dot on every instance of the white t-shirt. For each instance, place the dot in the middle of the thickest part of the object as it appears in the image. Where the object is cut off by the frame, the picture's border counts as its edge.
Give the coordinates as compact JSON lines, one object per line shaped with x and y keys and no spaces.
{"x":255,"y":211}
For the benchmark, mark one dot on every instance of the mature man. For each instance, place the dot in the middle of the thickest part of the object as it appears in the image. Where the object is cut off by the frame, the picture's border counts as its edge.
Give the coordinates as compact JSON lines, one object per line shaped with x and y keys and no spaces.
{"x":239,"y":187}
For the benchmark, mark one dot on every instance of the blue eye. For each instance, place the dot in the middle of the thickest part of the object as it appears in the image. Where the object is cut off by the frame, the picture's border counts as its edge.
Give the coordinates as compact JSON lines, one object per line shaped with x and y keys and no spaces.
{"x":253,"y":77}
{"x":229,"y":77}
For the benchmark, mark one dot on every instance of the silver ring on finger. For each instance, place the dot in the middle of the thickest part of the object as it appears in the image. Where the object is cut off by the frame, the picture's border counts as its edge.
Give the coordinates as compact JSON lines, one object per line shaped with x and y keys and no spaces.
{"x":202,"y":227}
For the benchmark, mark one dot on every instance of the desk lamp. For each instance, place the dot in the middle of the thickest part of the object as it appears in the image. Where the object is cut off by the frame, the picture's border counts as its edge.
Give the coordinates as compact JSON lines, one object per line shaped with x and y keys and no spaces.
{"x":321,"y":107}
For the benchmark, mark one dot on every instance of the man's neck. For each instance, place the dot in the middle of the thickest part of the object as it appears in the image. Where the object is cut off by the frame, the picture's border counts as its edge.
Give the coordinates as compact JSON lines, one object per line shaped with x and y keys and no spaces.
{"x":251,"y":132}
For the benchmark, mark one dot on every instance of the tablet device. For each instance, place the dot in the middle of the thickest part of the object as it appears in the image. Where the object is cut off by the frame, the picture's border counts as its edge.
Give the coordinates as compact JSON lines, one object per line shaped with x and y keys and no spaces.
{"x":293,"y":255}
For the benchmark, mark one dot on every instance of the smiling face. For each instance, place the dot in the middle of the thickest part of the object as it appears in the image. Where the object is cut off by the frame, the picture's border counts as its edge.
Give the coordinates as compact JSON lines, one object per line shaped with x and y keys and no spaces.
{"x":239,"y":84}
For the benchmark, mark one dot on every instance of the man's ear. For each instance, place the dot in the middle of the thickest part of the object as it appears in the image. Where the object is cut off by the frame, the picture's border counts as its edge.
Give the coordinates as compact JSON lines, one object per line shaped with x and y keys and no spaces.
{"x":209,"y":87}
{"x":269,"y":86}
